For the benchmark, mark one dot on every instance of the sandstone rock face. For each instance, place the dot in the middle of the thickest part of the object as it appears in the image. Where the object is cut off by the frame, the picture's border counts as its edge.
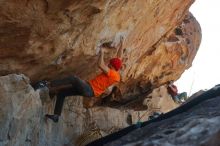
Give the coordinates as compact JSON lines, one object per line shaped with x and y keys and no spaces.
{"x":47,"y":39}
{"x":160,"y":101}
{"x":198,"y":126}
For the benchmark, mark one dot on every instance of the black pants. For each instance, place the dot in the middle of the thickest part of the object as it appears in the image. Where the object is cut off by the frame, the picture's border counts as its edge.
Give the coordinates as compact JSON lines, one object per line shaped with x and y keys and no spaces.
{"x":79,"y":87}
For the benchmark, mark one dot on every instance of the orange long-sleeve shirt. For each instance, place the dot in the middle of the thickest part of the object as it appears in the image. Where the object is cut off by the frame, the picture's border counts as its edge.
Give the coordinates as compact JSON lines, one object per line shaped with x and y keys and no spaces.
{"x":102,"y":81}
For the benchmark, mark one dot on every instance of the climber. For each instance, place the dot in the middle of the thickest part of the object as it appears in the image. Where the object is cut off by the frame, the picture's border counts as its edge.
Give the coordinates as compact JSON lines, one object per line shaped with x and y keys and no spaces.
{"x":94,"y":88}
{"x":173,"y":91}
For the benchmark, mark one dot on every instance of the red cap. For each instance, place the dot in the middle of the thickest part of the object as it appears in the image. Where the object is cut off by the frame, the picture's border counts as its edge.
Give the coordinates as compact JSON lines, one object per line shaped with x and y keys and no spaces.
{"x":116,"y":63}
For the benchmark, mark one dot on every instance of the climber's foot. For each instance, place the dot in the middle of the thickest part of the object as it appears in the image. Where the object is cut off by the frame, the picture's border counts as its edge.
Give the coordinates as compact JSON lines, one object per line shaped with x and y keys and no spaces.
{"x":55,"y":118}
{"x":40,"y":84}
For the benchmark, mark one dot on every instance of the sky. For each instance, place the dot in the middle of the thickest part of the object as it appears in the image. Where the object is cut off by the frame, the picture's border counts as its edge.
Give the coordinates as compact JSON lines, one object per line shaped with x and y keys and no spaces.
{"x":205,"y":70}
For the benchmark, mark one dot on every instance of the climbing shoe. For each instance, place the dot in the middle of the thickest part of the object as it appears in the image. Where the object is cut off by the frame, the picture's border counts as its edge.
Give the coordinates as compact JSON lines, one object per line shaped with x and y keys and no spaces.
{"x":40,"y":84}
{"x":55,"y":118}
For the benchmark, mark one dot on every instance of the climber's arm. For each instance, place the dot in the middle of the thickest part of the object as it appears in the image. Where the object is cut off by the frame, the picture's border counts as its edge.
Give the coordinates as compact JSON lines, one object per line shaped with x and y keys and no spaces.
{"x":120,"y":49}
{"x":173,"y":88}
{"x":101,"y":62}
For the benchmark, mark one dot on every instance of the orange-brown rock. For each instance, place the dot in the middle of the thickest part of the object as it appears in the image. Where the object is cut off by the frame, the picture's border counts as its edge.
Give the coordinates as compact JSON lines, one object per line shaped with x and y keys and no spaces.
{"x":47,"y":39}
{"x":168,"y":58}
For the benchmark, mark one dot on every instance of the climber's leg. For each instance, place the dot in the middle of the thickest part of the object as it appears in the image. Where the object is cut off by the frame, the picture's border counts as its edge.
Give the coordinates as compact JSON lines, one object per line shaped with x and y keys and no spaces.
{"x":59,"y":103}
{"x":61,"y":82}
{"x":79,"y":87}
{"x":176,"y":99}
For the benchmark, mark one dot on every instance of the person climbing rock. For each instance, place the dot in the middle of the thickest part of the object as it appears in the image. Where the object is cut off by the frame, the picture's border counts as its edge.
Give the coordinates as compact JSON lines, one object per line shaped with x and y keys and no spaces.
{"x":93,"y":88}
{"x":173,"y":91}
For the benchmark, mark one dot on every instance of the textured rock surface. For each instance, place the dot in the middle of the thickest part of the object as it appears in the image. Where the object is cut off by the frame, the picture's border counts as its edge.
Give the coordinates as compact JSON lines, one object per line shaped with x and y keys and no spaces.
{"x":20,"y":112}
{"x":160,"y":101}
{"x":47,"y":39}
{"x":198,"y":126}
